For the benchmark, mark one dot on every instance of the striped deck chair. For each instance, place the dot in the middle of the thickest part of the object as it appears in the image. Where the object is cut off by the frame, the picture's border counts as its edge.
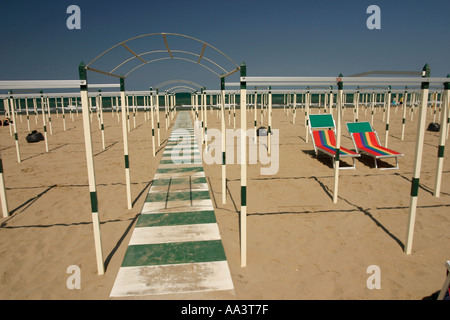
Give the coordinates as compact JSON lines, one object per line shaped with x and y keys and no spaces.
{"x":366,"y":141}
{"x":321,"y":128}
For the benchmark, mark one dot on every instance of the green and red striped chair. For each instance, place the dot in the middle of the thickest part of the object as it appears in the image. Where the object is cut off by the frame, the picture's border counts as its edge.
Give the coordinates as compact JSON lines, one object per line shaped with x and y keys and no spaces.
{"x":321,"y":127}
{"x":366,"y":141}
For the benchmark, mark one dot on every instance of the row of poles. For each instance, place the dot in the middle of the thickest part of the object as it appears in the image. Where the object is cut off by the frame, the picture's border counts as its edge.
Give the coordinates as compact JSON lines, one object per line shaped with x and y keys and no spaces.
{"x":154,"y":104}
{"x":340,"y":100}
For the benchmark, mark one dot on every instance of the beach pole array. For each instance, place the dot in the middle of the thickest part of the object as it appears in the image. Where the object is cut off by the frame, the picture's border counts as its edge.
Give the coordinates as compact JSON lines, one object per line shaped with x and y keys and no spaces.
{"x":425,"y":81}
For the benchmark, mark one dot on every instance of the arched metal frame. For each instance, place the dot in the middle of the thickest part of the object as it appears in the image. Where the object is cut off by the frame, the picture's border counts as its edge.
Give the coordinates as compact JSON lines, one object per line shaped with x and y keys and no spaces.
{"x":171,"y":56}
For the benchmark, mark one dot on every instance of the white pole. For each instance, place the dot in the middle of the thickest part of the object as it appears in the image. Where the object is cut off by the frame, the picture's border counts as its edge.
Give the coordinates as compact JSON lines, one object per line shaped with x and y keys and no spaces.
{"x":153,"y":125}
{"x":338,"y":140}
{"x":404,"y":102}
{"x":91,"y":172}
{"x":442,"y":138}
{"x":28,"y":116}
{"x":243,"y":220}
{"x":43,"y":120}
{"x":3,"y":198}
{"x":14,"y":124}
{"x":63,"y":114}
{"x":222,"y":121}
{"x":49,"y":116}
{"x":157,"y":117}
{"x":269,"y":129}
{"x":387,"y":117}
{"x":102,"y":127}
{"x":425,"y":87}
{"x":306,"y":115}
{"x":125,"y":142}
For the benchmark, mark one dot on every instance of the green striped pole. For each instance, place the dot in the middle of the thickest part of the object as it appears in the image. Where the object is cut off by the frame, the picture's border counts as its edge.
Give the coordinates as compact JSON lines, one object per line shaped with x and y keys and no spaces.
{"x":13,"y":115}
{"x":404,"y":102}
{"x":202,"y":114}
{"x":331,"y":100}
{"x":372,"y":111}
{"x":49,"y":117}
{"x":157,"y":117}
{"x":153,"y":124}
{"x":442,"y":138}
{"x":269,"y":122}
{"x":388,"y":111}
{"x":255,"y":120}
{"x":338,"y":137}
{"x":100,"y":108}
{"x":28,"y":116}
{"x":356,"y":104}
{"x":243,"y":220}
{"x":294,"y":108}
{"x":222,"y":121}
{"x":35,"y":110}
{"x":3,"y":199}
{"x":125,"y":142}
{"x":43,"y":120}
{"x":91,"y":169}
{"x":206,"y":117}
{"x":63,"y":114}
{"x":306,"y":114}
{"x":425,"y":87}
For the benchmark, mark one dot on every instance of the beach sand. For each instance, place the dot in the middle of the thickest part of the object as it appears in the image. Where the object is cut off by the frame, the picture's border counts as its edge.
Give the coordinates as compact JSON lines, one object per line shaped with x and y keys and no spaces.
{"x":300,"y":244}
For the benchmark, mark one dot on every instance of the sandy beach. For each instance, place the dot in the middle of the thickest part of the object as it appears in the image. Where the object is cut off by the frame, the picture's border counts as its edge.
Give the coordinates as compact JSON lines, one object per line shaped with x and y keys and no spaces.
{"x":300,"y":244}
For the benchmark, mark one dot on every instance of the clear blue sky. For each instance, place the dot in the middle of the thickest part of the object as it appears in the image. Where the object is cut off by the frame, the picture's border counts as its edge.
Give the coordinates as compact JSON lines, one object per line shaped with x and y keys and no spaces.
{"x":274,"y":38}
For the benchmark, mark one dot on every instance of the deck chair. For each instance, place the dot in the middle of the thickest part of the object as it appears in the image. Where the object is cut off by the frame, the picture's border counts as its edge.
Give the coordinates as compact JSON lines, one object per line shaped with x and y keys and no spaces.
{"x":366,"y":141}
{"x":321,"y":128}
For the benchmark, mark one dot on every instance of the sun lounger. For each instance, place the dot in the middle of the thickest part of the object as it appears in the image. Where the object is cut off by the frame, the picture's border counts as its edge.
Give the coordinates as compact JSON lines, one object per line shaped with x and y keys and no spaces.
{"x":322,"y":131}
{"x":366,"y":141}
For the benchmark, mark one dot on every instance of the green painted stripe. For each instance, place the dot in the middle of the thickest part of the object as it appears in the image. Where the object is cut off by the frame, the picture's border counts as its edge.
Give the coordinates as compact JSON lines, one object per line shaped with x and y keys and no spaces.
{"x":1,"y":166}
{"x":178,"y":170}
{"x":177,"y":196}
{"x":243,"y":195}
{"x":441,"y":151}
{"x":94,"y":204}
{"x":175,"y":218}
{"x":415,"y":187}
{"x":174,"y":253}
{"x":127,"y":162}
{"x":191,"y":160}
{"x":165,"y":182}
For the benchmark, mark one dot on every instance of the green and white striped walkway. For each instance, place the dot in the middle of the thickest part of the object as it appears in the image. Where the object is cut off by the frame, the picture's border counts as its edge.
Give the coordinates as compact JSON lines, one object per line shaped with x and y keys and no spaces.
{"x":175,"y":247}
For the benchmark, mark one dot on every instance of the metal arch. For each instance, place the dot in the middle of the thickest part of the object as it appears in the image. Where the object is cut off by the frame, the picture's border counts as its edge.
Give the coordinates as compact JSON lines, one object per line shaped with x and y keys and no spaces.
{"x":162,"y":84}
{"x":169,"y":58}
{"x":173,"y":89}
{"x":123,"y":43}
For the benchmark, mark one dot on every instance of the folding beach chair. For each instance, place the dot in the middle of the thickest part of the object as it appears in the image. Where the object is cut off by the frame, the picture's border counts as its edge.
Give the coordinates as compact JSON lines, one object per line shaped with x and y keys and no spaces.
{"x":366,"y":141}
{"x":321,"y":128}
